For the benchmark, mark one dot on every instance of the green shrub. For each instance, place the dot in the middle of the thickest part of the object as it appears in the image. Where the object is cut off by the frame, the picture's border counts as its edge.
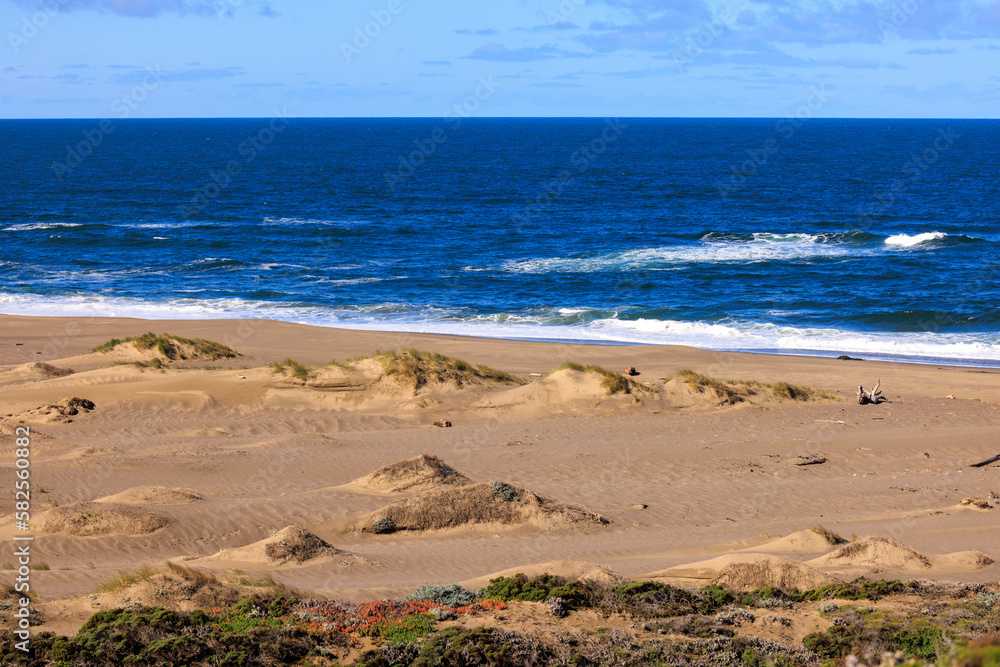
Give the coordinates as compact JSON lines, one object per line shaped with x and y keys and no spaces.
{"x":451,"y":595}
{"x":408,"y":630}
{"x":384,"y":525}
{"x":536,"y":589}
{"x":834,"y":643}
{"x":505,"y":491}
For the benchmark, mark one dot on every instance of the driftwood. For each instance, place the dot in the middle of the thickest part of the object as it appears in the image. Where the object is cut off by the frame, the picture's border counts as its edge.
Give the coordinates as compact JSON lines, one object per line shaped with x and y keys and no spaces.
{"x":874,"y":396}
{"x":992,"y":459}
{"x":811,"y":461}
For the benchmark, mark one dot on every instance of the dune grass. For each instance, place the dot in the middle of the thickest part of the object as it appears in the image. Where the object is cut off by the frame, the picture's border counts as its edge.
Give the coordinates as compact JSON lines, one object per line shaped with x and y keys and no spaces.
{"x":170,"y":346}
{"x":700,"y":382}
{"x":829,"y":535}
{"x":299,"y":371}
{"x":735,"y":391}
{"x":196,"y":577}
{"x":123,"y":580}
{"x":420,"y":367}
{"x":414,"y":366}
{"x":613,"y":383}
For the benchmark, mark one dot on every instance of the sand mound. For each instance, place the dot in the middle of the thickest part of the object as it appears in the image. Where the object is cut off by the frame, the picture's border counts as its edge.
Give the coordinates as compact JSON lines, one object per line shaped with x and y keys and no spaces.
{"x":578,"y":570}
{"x":494,"y":503}
{"x":876,"y":552}
{"x":783,"y":573}
{"x":203,"y":433}
{"x":151,"y":495}
{"x":61,"y":412}
{"x":38,"y":371}
{"x":744,"y":571}
{"x":800,"y":542}
{"x":563,"y":389}
{"x":164,"y":347}
{"x":977,"y":504}
{"x":682,"y":394}
{"x":417,"y":474}
{"x":88,"y":520}
{"x":963,"y":561}
{"x":288,"y":544}
{"x":298,"y":544}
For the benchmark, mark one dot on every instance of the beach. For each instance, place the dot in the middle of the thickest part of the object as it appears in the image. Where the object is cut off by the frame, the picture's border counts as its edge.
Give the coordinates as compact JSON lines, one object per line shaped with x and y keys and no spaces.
{"x":201,"y":461}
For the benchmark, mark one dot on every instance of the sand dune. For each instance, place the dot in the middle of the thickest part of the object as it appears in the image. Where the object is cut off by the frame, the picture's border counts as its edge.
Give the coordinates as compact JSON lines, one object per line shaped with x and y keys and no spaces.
{"x":91,"y":520}
{"x":784,"y":574}
{"x":744,"y":571}
{"x":292,"y":544}
{"x":799,"y":542}
{"x":878,"y":553}
{"x":420,"y":473}
{"x":38,"y":370}
{"x":151,"y":495}
{"x":496,"y":504}
{"x":875,"y":552}
{"x":570,"y":569}
{"x":566,"y":390}
{"x":963,"y":561}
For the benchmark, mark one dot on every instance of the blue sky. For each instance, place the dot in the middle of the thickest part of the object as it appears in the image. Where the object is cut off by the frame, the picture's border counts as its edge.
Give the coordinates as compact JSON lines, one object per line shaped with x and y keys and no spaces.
{"x":184,"y":58}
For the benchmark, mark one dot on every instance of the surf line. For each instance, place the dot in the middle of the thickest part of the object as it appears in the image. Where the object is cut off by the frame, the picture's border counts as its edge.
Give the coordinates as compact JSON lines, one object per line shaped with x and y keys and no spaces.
{"x":22,"y":543}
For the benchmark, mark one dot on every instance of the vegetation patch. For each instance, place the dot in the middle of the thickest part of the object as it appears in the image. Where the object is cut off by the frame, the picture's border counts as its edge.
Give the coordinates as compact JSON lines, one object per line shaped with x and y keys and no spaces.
{"x":536,"y":589}
{"x":170,"y":347}
{"x":498,"y":503}
{"x":830,"y":536}
{"x":297,"y":370}
{"x":613,"y":383}
{"x":706,"y":626}
{"x":732,"y":392}
{"x":298,"y":545}
{"x":451,"y":595}
{"x":125,"y":579}
{"x":421,"y":368}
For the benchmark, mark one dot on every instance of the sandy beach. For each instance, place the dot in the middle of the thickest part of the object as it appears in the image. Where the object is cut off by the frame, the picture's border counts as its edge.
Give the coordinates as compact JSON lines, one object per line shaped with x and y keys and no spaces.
{"x":204,"y":461}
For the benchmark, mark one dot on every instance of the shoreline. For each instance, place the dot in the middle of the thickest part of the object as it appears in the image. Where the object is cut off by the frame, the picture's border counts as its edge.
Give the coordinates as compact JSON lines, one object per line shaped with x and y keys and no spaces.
{"x":227,"y":323}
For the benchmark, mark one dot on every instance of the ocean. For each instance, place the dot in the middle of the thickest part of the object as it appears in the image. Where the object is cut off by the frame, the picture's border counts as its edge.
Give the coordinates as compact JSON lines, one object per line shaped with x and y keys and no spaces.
{"x":872,"y":238}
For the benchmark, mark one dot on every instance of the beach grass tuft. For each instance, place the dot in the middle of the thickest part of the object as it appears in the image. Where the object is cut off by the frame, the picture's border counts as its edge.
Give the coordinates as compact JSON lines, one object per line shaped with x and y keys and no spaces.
{"x":736,"y":391}
{"x":123,"y":580}
{"x":830,"y":536}
{"x":420,"y":368}
{"x":700,"y":382}
{"x":613,"y":383}
{"x":171,"y":347}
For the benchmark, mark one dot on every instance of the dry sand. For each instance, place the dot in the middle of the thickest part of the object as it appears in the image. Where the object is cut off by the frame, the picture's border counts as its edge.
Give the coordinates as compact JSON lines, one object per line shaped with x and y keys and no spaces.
{"x":207,"y":463}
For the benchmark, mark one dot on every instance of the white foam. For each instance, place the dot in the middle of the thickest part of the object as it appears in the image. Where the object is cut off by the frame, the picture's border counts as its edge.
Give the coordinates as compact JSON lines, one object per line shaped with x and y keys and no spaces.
{"x":354,"y":281}
{"x":607,"y":328}
{"x":159,"y":225}
{"x":908,"y":241}
{"x":34,"y":226}
{"x":764,"y":247}
{"x":298,"y":222}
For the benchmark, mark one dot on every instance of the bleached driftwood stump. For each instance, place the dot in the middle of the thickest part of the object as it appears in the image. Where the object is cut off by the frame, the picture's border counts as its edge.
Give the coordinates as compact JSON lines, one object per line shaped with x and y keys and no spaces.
{"x":874,"y":396}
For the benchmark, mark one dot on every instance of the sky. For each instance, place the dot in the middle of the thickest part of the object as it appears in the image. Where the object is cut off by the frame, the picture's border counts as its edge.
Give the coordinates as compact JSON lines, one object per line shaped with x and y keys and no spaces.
{"x":431,"y":58}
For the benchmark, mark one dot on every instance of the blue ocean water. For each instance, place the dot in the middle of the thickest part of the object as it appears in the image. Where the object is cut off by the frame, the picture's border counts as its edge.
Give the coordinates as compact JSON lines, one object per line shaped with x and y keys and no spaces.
{"x":878,"y":238}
